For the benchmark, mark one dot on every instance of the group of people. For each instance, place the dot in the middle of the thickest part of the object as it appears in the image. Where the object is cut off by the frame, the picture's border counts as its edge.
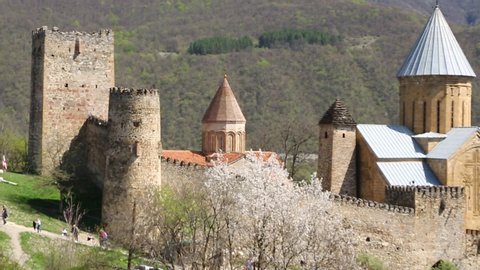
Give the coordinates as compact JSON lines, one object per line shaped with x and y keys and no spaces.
{"x":37,"y":226}
{"x":102,"y":235}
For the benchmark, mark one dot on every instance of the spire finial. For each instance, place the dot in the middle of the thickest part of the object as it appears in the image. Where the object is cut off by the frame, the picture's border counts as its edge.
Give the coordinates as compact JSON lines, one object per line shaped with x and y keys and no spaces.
{"x":224,"y":71}
{"x":436,"y":4}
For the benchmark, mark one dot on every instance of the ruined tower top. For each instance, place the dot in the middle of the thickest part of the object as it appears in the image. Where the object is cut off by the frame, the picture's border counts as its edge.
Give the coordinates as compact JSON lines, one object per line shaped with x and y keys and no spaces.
{"x":338,"y":114}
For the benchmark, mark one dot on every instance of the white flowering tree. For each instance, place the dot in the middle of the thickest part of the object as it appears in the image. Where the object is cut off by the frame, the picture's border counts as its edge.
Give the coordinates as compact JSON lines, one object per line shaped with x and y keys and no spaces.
{"x":262,"y":216}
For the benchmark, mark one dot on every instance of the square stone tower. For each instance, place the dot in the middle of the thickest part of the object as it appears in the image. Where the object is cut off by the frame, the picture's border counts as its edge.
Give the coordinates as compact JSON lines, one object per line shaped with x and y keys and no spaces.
{"x":71,"y":76}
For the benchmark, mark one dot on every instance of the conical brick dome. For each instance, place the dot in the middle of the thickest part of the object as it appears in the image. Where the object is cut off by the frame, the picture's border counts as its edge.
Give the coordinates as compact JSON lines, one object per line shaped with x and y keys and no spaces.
{"x":224,"y":106}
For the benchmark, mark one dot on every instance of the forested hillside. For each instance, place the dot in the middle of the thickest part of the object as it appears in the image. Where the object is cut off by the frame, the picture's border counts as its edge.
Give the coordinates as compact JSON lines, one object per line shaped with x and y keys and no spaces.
{"x":285,"y":84}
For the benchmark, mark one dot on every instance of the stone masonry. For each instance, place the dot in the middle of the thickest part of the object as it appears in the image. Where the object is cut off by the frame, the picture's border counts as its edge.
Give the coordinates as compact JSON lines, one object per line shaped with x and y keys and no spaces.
{"x":133,"y":157}
{"x":71,"y":75}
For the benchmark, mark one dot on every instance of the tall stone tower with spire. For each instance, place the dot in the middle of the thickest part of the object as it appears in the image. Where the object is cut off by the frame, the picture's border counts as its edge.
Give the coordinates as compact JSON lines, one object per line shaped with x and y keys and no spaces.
{"x":223,"y":125}
{"x":336,"y":155}
{"x":436,"y":81}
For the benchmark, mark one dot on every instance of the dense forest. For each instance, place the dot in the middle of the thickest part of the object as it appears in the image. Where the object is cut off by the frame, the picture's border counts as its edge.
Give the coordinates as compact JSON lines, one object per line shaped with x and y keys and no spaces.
{"x":277,"y":86}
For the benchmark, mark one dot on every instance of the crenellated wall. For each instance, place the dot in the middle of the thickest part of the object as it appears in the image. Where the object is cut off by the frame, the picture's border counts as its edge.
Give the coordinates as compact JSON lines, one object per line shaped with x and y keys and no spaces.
{"x":405,"y":237}
{"x":175,"y":171}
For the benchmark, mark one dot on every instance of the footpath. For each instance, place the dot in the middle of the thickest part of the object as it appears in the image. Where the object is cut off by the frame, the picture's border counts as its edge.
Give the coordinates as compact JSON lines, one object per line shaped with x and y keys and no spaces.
{"x":16,"y":252}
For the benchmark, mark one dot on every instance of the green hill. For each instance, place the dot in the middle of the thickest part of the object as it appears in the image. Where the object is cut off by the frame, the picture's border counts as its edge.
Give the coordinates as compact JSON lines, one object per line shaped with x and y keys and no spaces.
{"x":274,"y":86}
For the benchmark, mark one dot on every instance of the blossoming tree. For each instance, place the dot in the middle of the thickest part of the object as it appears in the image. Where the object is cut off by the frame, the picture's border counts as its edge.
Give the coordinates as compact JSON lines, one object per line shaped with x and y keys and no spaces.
{"x":262,"y":216}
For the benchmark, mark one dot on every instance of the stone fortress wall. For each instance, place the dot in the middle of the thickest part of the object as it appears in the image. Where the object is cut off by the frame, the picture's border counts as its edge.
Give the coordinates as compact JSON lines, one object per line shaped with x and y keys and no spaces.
{"x":418,"y":227}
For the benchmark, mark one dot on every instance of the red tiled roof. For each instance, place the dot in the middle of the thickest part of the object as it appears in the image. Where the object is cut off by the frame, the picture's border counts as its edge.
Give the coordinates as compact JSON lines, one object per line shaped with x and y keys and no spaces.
{"x":198,"y":158}
{"x":186,"y":156}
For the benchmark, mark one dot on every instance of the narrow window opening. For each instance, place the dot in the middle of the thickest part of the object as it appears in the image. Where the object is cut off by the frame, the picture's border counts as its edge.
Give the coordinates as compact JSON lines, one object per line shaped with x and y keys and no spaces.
{"x":424,"y":117}
{"x":137,"y":123}
{"x":136,"y":150}
{"x":222,"y":145}
{"x":77,"y":48}
{"x":452,"y":114}
{"x":326,"y":135}
{"x":413,"y":116}
{"x":66,"y":85}
{"x":438,"y":116}
{"x":96,"y":86}
{"x":343,"y":135}
{"x":442,"y":207}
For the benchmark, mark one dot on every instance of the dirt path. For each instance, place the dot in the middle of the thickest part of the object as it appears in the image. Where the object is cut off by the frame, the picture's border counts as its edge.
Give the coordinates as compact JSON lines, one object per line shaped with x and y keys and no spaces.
{"x":13,"y":230}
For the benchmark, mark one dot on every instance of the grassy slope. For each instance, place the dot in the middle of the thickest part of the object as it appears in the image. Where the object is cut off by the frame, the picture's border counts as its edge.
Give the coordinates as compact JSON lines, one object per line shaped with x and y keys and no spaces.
{"x":45,"y":253}
{"x":33,"y":197}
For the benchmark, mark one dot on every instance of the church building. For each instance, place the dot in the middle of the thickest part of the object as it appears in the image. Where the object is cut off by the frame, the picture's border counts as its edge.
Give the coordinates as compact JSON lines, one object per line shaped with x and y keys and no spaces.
{"x":433,"y":145}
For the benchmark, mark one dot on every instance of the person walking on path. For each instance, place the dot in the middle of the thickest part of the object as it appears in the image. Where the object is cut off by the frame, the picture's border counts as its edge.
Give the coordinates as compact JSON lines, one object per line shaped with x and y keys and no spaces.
{"x":103,"y":238}
{"x":4,"y":214}
{"x":38,"y":225}
{"x":75,"y":233}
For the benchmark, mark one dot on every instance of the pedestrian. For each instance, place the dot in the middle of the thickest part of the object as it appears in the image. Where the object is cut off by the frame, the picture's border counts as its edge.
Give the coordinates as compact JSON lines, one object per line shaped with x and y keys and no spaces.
{"x":103,"y":238}
{"x":75,"y":233}
{"x":249,"y":264}
{"x":4,"y":214}
{"x":38,"y":225}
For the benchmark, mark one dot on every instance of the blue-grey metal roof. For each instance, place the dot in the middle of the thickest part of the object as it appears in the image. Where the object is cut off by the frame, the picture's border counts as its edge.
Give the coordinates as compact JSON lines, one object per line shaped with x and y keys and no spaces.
{"x":391,"y":141}
{"x":431,"y":135}
{"x":406,"y":173}
{"x":456,"y":137}
{"x":436,"y":52}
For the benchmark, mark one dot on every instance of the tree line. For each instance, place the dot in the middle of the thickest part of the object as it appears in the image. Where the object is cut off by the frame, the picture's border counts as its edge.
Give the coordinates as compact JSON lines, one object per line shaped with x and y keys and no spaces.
{"x":284,"y":37}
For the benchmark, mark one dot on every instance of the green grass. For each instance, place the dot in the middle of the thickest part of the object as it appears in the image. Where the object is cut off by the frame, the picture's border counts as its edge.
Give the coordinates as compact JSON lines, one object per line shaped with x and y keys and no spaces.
{"x":46,"y":253}
{"x":5,"y":262}
{"x":34,"y":197}
{"x":4,"y":242}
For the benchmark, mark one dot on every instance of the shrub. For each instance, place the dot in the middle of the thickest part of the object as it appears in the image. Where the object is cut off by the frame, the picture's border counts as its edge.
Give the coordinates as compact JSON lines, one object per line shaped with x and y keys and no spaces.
{"x":444,"y":265}
{"x":367,"y":261}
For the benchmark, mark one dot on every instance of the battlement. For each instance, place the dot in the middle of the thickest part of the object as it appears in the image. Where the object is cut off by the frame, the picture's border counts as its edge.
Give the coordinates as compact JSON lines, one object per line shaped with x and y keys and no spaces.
{"x":96,"y":121}
{"x":42,"y":31}
{"x":475,"y":233}
{"x":180,"y":163}
{"x":120,"y":91}
{"x":354,"y":201}
{"x":407,"y":195}
{"x":429,"y":191}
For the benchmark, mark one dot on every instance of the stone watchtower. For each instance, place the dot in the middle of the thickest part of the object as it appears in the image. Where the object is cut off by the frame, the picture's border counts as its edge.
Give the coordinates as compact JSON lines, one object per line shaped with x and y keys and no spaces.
{"x":71,"y":75}
{"x":133,"y":157}
{"x":336,"y":155}
{"x":223,"y":125}
{"x":436,"y":81}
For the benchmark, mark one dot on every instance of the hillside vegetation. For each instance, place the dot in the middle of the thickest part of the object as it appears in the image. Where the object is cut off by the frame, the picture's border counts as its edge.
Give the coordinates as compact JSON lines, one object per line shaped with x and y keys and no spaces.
{"x":274,"y":86}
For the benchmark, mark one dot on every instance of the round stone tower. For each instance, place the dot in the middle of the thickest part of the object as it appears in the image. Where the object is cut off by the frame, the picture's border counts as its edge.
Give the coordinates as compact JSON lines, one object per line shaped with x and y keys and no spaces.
{"x":223,"y":125}
{"x":436,"y":81}
{"x":133,"y":158}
